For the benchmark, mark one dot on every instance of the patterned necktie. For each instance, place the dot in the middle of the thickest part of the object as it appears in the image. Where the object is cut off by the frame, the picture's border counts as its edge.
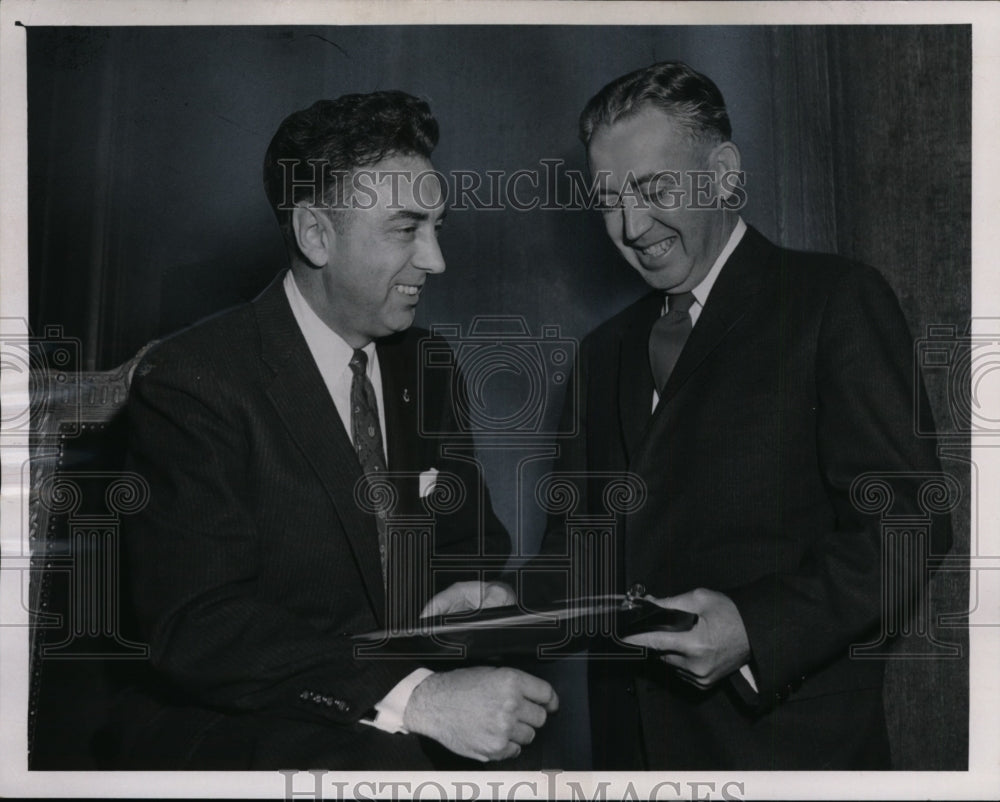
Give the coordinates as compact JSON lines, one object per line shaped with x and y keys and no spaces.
{"x":666,"y":340}
{"x":367,"y":436}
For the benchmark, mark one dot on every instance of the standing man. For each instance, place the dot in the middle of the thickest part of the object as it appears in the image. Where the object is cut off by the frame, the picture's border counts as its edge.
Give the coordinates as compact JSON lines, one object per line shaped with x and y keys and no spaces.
{"x":748,"y":391}
{"x":264,"y":434}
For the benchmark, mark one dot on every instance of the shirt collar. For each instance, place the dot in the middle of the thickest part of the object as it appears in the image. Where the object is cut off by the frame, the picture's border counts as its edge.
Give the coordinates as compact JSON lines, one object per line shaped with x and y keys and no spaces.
{"x":702,"y":290}
{"x":323,"y":342}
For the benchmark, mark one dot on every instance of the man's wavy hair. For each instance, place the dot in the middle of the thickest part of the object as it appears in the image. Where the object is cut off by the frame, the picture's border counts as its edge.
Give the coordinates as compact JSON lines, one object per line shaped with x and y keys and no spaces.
{"x":314,"y":150}
{"x":670,"y":86}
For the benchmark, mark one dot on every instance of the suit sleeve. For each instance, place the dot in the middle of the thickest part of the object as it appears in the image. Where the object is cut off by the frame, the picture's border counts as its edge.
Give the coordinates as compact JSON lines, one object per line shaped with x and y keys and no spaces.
{"x":866,"y":390}
{"x":194,"y":563}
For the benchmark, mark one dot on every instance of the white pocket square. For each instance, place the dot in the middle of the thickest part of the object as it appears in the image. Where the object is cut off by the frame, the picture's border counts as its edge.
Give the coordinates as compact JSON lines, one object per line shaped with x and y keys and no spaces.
{"x":428,"y":481}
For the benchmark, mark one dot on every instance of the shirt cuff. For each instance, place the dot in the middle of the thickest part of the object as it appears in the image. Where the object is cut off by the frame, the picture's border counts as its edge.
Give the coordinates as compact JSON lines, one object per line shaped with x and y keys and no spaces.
{"x":389,"y":711}
{"x":747,"y":673}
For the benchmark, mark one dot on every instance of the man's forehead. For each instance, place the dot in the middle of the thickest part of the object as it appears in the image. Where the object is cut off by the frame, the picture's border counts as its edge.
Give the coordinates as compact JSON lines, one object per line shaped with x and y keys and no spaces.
{"x":642,"y":139}
{"x":409,"y":165}
{"x":641,"y":148}
{"x":405,"y":183}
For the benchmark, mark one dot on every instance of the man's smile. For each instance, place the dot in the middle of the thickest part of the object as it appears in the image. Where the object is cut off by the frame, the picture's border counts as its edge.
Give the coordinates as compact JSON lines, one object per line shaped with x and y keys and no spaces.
{"x":657,"y":249}
{"x":408,"y":289}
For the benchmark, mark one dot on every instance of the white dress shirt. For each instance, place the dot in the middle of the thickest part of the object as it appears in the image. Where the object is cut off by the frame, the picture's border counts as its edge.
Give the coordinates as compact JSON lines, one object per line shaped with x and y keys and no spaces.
{"x":333,"y":357}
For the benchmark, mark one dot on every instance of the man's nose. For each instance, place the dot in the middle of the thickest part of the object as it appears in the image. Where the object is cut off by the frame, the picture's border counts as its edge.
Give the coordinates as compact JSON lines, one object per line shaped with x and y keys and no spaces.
{"x":635,"y":219}
{"x":428,"y":256}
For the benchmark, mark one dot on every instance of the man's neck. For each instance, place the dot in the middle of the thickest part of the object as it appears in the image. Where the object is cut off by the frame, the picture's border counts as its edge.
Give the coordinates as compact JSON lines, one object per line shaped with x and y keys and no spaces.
{"x":309,"y":282}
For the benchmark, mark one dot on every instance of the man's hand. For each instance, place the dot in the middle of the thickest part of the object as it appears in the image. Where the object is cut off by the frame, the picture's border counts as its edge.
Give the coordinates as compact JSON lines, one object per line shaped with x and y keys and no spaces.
{"x":714,"y":649}
{"x":464,"y":596}
{"x":483,"y":713}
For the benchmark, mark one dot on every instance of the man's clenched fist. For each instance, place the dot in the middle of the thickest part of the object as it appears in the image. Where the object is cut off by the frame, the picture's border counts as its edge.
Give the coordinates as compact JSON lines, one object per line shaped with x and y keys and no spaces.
{"x":482,"y":713}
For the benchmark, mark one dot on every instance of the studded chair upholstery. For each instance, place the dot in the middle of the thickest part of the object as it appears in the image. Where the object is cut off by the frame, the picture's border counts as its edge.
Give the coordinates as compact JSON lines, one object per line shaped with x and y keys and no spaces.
{"x":80,"y":646}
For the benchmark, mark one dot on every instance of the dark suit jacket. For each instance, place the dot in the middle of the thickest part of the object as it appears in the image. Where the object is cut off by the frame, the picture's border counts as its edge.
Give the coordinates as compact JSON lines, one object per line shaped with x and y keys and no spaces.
{"x":797,"y":378}
{"x":253,"y":562}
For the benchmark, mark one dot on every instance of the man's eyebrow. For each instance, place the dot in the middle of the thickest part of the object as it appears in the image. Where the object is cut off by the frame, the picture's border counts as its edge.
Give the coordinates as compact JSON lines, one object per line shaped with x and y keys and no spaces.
{"x":645,"y":178}
{"x":407,"y":214}
{"x":414,"y":215}
{"x":637,"y":181}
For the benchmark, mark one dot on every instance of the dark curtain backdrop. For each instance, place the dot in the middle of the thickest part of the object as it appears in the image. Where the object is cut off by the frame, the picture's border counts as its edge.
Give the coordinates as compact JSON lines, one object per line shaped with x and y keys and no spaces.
{"x":146,"y":210}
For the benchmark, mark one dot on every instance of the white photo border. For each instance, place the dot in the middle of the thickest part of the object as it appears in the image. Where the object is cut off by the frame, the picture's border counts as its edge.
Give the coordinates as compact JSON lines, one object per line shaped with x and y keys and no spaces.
{"x":981,"y":781}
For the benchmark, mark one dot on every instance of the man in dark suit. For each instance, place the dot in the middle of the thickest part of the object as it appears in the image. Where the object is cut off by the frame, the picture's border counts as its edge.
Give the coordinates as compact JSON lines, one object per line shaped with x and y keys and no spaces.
{"x":749,"y":391}
{"x":270,"y":536}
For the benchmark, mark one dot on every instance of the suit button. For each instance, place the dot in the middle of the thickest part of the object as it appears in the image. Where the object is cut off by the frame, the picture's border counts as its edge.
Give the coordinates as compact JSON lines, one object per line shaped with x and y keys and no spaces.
{"x":630,"y":689}
{"x":341,"y":705}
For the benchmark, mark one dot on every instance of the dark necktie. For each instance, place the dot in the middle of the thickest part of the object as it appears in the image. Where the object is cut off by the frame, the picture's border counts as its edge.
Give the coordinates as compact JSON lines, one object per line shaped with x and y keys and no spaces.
{"x":367,"y":436}
{"x":666,"y":340}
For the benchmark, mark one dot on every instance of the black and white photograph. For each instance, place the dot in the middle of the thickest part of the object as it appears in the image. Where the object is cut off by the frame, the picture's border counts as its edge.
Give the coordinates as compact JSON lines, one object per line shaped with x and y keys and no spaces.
{"x":540,"y":400}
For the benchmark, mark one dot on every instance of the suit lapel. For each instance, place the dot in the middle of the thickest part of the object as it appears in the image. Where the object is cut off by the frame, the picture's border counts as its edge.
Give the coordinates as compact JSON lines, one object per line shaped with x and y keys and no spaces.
{"x":399,"y":397}
{"x":398,"y":364}
{"x":304,"y":405}
{"x":635,"y":377}
{"x":732,"y":296}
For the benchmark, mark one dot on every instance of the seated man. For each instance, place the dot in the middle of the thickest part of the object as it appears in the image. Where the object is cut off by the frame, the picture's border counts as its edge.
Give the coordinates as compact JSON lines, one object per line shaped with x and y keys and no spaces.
{"x":265,"y":545}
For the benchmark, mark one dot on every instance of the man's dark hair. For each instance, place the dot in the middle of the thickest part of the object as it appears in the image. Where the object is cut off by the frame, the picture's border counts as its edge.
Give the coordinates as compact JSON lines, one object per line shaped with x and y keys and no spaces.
{"x":670,"y":86}
{"x":314,"y":150}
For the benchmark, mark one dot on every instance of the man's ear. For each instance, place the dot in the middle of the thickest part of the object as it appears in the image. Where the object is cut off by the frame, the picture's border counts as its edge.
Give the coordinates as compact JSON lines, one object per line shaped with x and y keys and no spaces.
{"x":725,"y":159}
{"x":313,"y":232}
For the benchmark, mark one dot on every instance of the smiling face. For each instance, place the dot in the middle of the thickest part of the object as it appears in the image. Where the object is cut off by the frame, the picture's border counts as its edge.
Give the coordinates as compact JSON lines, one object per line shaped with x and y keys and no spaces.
{"x":647,"y":168}
{"x":371,"y":261}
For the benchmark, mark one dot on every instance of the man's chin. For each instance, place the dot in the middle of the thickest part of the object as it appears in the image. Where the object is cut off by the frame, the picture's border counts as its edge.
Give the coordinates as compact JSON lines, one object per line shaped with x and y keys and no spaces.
{"x":665,"y":278}
{"x":400,"y":322}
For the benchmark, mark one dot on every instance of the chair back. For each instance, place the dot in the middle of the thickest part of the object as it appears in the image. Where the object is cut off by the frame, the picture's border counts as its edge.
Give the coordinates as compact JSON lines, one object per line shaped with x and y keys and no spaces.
{"x":82,"y":642}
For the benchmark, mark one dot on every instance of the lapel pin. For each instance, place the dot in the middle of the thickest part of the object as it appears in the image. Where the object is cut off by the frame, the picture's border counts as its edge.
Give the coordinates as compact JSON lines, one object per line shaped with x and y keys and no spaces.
{"x":406,"y":394}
